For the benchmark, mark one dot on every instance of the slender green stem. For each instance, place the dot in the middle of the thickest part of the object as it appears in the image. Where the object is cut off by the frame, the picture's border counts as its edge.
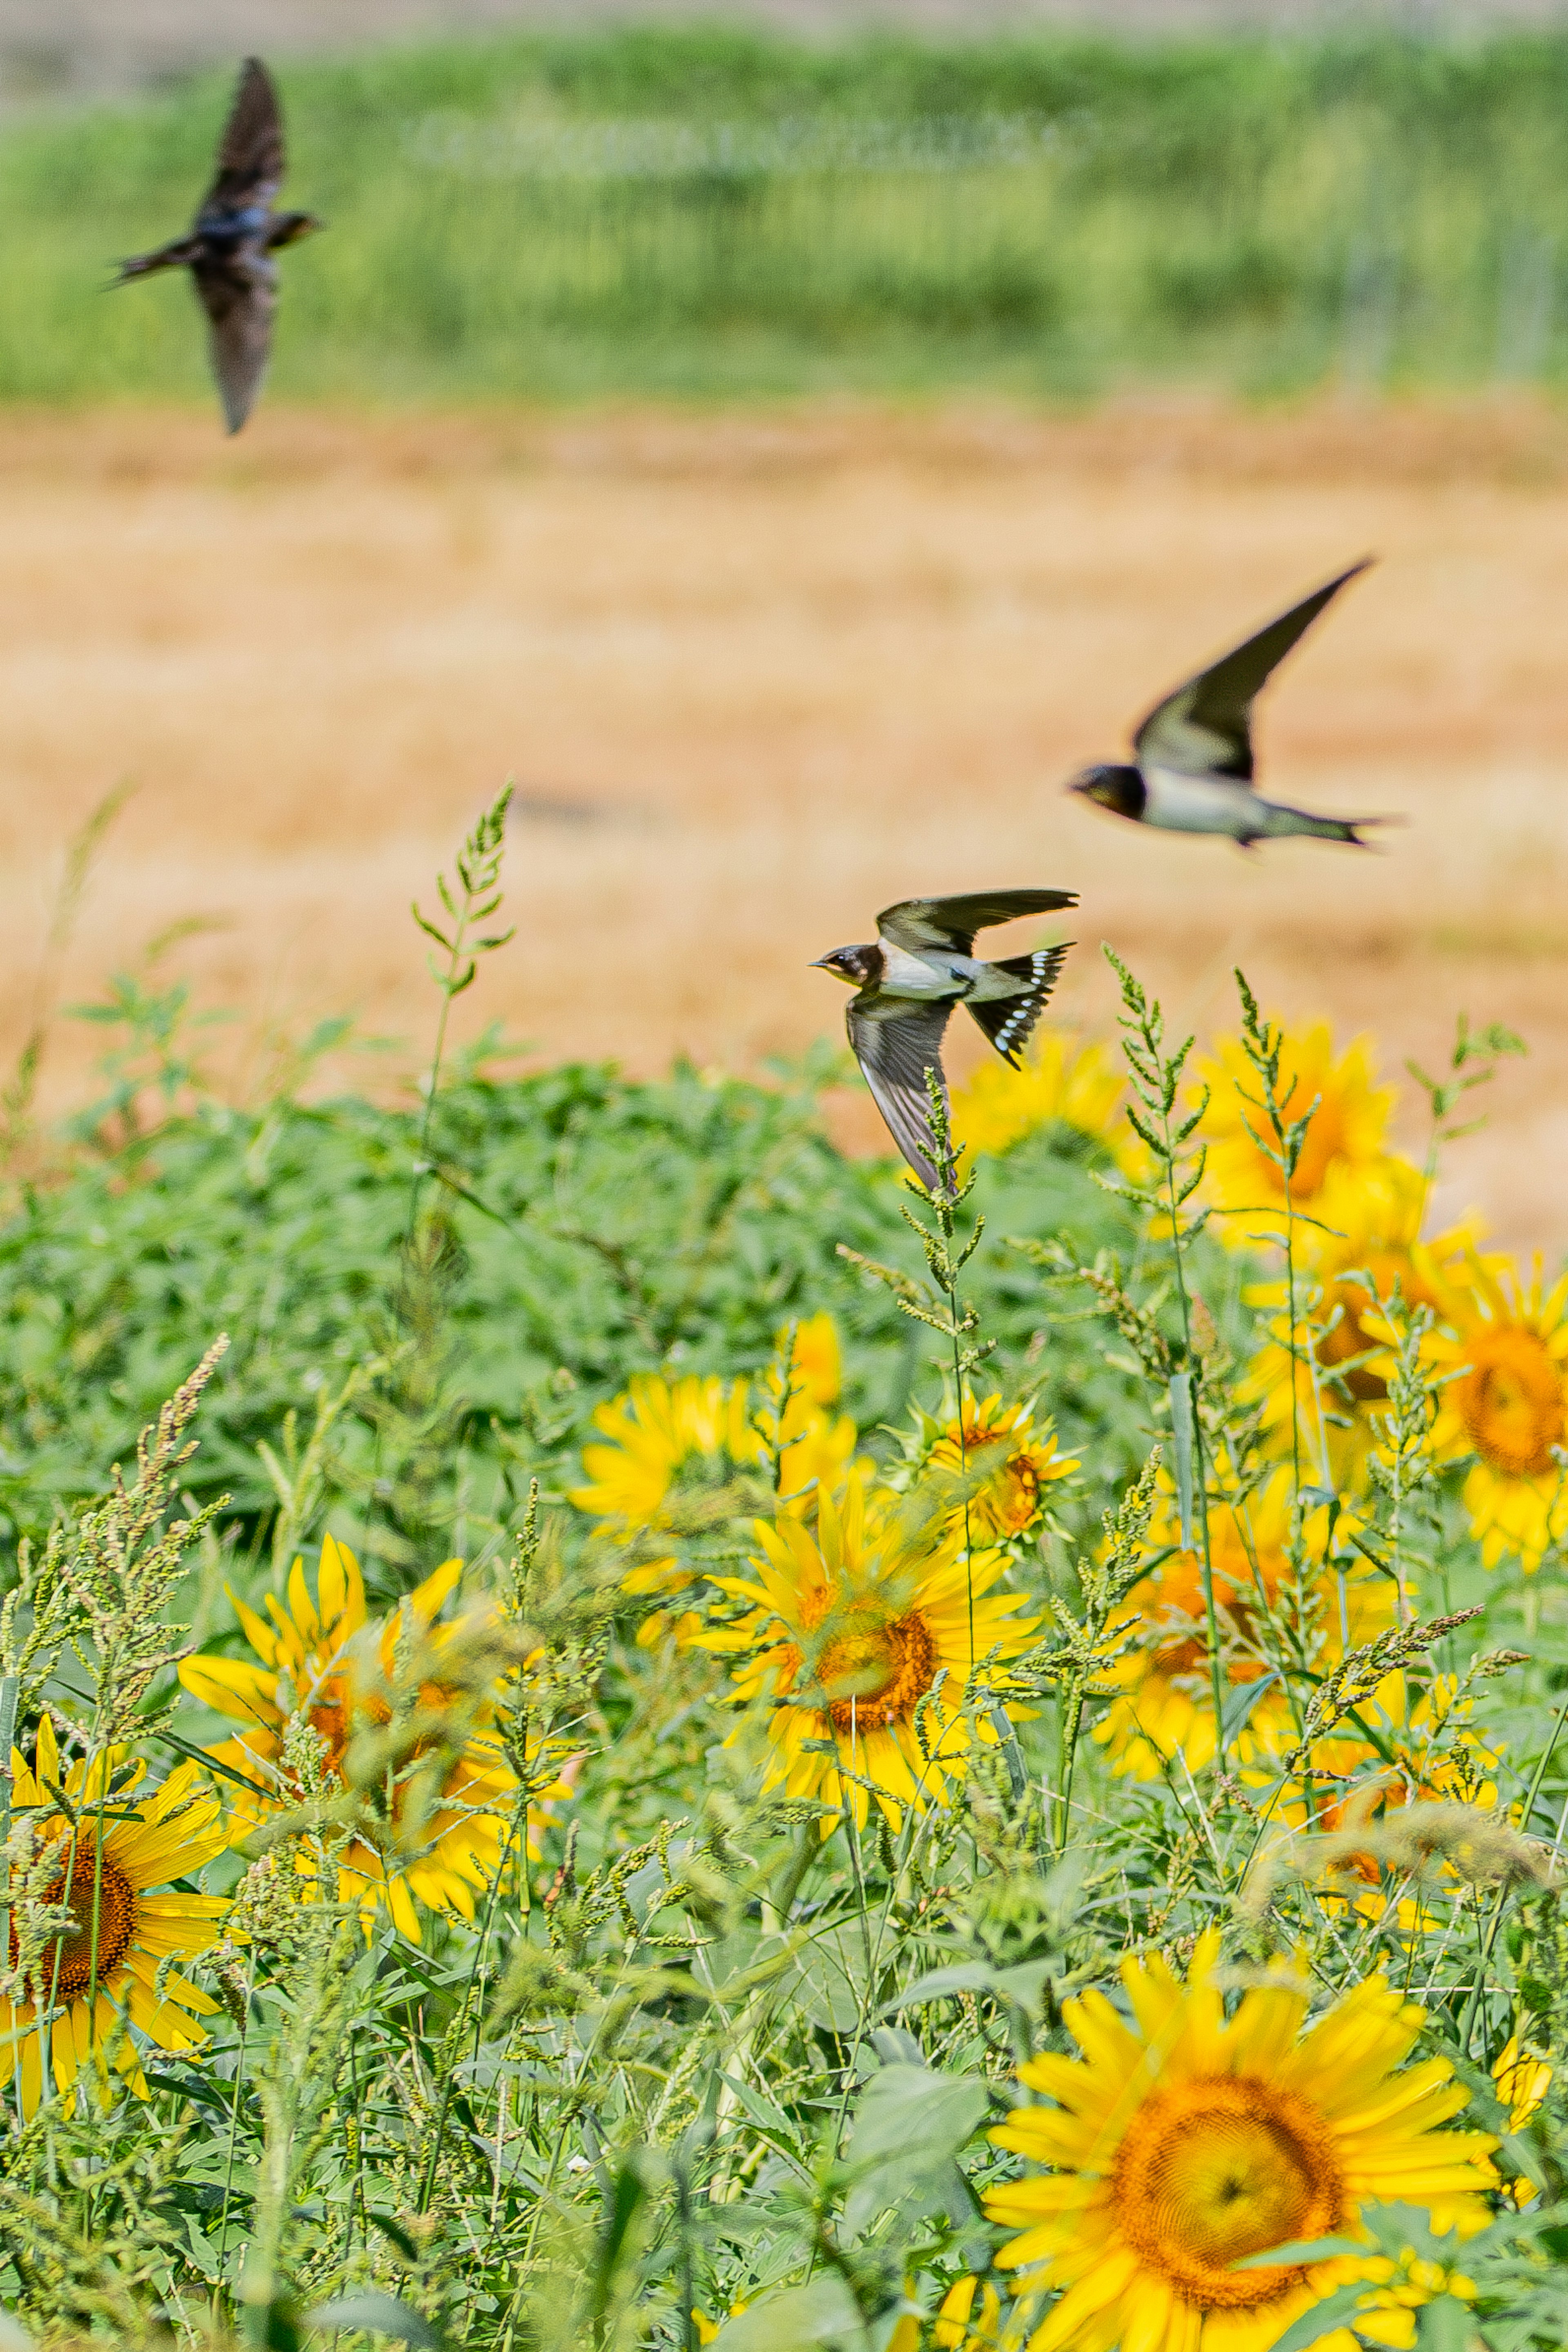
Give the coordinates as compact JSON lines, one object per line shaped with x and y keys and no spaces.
{"x":234,"y":2110}
{"x":1500,"y":1901}
{"x":516,"y":1838}
{"x":1200,"y":1463}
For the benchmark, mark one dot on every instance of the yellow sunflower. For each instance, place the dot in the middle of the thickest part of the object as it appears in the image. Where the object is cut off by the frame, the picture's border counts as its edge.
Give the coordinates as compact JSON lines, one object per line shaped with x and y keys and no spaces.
{"x":654,"y":1428}
{"x":1347,"y":1129}
{"x":120,"y":1849}
{"x":815,"y":1447}
{"x":1345,"y":1281}
{"x":1181,"y":2143}
{"x":1164,"y":1702}
{"x":859,"y":1634}
{"x":1019,"y":1460}
{"x":1522,"y":2077}
{"x":660,"y":1428}
{"x":1057,"y":1080}
{"x":973,"y":2315}
{"x":1505,"y":1399}
{"x":324,"y":1659}
{"x":816,"y":1362}
{"x":1410,"y":1742}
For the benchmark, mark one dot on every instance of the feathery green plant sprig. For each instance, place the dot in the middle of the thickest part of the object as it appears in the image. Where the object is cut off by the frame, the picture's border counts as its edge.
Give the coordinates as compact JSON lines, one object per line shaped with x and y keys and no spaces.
{"x":475,"y":898}
{"x":941,"y":1307}
{"x":1473,"y":1061}
{"x":1168,"y":1131}
{"x":1090,"y":1641}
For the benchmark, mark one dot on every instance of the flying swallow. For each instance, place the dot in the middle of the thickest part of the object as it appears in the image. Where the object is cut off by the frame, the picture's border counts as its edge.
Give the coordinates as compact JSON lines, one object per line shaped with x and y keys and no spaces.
{"x":906,"y":982}
{"x":1191,"y":769}
{"x":233,"y":238}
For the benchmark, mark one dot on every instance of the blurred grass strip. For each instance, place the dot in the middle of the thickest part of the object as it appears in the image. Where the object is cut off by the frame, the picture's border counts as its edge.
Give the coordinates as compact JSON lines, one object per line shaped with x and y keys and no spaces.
{"x":713,"y":214}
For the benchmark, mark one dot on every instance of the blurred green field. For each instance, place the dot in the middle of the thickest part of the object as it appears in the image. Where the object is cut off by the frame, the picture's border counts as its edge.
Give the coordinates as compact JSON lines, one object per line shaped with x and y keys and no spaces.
{"x":713,"y":214}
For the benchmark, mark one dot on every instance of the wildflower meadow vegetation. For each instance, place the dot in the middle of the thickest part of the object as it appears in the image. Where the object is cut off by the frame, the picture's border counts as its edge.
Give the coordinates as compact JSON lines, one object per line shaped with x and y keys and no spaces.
{"x":626,"y":1732}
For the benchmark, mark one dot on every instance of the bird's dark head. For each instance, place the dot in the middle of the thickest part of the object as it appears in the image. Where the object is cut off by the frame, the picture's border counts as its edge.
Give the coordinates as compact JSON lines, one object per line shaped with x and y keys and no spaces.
{"x":1118,"y":789}
{"x":288,"y":228}
{"x":855,"y":966}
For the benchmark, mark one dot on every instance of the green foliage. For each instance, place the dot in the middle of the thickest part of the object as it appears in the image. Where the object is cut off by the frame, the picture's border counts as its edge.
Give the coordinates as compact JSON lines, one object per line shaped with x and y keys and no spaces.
{"x":706,"y":212}
{"x":603,"y":1227}
{"x":720,"y":2052}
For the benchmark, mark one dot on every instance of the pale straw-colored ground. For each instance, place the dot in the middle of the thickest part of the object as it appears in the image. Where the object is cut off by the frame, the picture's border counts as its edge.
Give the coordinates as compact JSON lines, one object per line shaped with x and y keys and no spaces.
{"x":759,"y":676}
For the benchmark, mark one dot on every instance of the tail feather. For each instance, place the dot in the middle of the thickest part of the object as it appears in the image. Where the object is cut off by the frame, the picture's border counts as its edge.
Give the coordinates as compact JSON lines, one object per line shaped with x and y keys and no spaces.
{"x":1009,"y":1020}
{"x":177,"y":255}
{"x":1284,"y":821}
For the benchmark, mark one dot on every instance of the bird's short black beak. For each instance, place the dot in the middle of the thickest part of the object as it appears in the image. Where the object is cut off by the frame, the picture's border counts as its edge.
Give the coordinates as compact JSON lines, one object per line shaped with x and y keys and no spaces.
{"x":822,"y":963}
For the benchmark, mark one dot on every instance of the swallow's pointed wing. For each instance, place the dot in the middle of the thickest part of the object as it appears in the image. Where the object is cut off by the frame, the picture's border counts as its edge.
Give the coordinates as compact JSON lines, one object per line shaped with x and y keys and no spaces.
{"x":250,"y":153}
{"x":239,"y":298}
{"x":896,"y":1049}
{"x":1205,"y":728}
{"x":952,"y":923}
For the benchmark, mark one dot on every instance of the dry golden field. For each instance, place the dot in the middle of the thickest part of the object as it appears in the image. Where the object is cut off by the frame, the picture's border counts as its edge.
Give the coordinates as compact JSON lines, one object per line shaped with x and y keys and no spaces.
{"x":756,"y":676}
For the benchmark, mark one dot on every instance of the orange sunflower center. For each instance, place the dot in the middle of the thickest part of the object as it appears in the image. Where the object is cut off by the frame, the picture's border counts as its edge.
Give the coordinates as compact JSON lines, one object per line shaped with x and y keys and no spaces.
{"x":1218,"y":2168}
{"x":1510,"y":1401}
{"x":1348,"y":1335}
{"x":1010,"y":1496}
{"x":1013,"y":1496}
{"x":338,"y":1712}
{"x":329,"y":1720}
{"x":1322,"y":1143}
{"x":876,"y":1672}
{"x":1183,"y":1649}
{"x":116,"y":1903}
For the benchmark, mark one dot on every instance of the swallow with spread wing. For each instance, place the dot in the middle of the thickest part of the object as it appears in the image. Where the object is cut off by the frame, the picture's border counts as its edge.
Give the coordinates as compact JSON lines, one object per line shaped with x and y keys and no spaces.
{"x":920,"y":964}
{"x":232,"y":241}
{"x":1192,"y":771}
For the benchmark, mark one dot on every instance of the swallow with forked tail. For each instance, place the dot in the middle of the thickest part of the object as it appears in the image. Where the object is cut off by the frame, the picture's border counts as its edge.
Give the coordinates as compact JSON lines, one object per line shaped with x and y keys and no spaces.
{"x":1192,"y":765}
{"x":232,"y":241}
{"x":906,"y":982}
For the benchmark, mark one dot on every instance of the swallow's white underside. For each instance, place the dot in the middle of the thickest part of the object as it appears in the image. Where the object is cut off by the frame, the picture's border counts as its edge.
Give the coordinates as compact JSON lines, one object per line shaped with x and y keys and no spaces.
{"x":937,"y":973}
{"x":1179,"y":804}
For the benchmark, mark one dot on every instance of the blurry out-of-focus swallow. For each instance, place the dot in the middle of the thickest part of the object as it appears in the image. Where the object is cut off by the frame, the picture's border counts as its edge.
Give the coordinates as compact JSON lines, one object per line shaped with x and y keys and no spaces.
{"x":232,"y":241}
{"x":1191,"y":769}
{"x":920,"y":964}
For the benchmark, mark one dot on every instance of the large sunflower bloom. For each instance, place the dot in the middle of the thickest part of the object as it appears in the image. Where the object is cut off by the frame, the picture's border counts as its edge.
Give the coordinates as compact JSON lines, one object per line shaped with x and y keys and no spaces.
{"x":119,"y":1852}
{"x":1019,"y":1463}
{"x":322,"y":1658}
{"x":1181,"y":2143}
{"x":1345,"y":1282}
{"x":860,"y":1637}
{"x":1056,"y":1083}
{"x":1505,"y":1399}
{"x":1347,"y":1129}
